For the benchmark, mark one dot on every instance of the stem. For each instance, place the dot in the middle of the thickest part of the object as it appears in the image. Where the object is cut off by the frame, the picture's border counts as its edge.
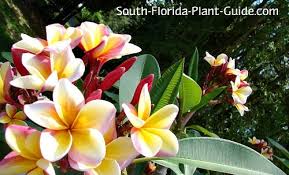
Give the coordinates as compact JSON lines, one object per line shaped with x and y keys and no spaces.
{"x":120,"y":118}
{"x":145,"y":159}
{"x":94,"y":70}
{"x":178,"y":126}
{"x":186,"y":119}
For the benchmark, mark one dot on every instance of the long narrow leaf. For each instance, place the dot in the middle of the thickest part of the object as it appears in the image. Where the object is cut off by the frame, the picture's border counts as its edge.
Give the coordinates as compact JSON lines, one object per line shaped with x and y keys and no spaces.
{"x":194,"y":65}
{"x":279,"y":146}
{"x":166,"y":89}
{"x":283,"y":161}
{"x":203,"y":130}
{"x":208,"y":97}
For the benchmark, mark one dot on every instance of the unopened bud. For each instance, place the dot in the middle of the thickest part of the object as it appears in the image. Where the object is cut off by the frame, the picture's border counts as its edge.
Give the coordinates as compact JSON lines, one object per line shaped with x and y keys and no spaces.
{"x":95,"y":95}
{"x":128,"y":63}
{"x":147,"y":80}
{"x":111,"y":78}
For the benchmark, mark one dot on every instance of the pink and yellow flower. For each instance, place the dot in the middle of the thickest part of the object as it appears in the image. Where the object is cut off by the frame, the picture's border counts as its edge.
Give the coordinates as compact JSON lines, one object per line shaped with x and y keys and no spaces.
{"x":240,"y":92}
{"x":72,"y":127}
{"x":150,"y":133}
{"x":116,"y":159}
{"x":6,"y":76}
{"x":11,"y":116}
{"x":267,"y":152}
{"x":26,"y":157}
{"x":221,"y":59}
{"x":55,"y":33}
{"x":102,"y":44}
{"x":45,"y":72}
{"x":254,"y":141}
{"x":241,"y":108}
{"x":231,"y":70}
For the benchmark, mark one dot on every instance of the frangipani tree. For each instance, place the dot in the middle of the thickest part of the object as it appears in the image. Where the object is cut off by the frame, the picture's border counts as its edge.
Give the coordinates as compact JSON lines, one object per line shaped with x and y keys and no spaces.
{"x":79,"y":119}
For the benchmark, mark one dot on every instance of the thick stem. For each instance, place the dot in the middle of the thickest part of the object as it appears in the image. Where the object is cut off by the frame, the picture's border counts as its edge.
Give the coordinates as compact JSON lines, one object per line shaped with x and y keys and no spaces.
{"x":186,"y":119}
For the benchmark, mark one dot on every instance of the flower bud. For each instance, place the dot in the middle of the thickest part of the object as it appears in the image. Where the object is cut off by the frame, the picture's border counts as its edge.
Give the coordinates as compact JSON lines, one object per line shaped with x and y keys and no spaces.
{"x":147,"y":80}
{"x":111,"y":78}
{"x":87,"y":79}
{"x":92,"y":86}
{"x":17,"y":60}
{"x":128,"y":63}
{"x":95,"y":95}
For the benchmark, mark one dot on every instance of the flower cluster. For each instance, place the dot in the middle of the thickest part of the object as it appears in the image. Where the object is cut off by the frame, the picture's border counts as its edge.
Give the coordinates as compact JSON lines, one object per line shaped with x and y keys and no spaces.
{"x":224,"y":73}
{"x":78,"y":130}
{"x":263,"y":146}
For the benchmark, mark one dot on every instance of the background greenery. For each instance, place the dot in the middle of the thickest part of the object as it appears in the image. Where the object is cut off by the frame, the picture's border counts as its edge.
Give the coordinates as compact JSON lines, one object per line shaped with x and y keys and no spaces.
{"x":260,"y":43}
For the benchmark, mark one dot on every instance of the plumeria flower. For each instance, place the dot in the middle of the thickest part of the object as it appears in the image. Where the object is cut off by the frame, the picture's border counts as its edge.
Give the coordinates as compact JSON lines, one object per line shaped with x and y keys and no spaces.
{"x":150,"y":134}
{"x":243,"y":74}
{"x":111,"y":133}
{"x":231,"y":70}
{"x":29,"y":44}
{"x":254,"y":141}
{"x":231,"y":64}
{"x":263,"y":143}
{"x":103,"y":45}
{"x":6,"y":76}
{"x":45,"y":72}
{"x":116,"y":159}
{"x":240,"y":93}
{"x":221,"y":59}
{"x":72,"y":127}
{"x":11,"y":116}
{"x":26,"y":157}
{"x":267,"y":152}
{"x":55,"y":33}
{"x":241,"y":108}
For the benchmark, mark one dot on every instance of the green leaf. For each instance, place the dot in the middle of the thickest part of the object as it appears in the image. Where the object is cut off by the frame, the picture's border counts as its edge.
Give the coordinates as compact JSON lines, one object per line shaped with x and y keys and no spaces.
{"x":7,"y":56}
{"x":222,"y":155}
{"x":202,"y":130}
{"x":190,"y":94}
{"x":79,"y":84}
{"x":189,"y":170}
{"x":166,"y":88}
{"x":283,"y":161}
{"x":279,"y":147}
{"x":151,"y":66}
{"x":208,"y":97}
{"x":145,"y":65}
{"x":194,"y":65}
{"x":111,"y":95}
{"x":174,"y":167}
